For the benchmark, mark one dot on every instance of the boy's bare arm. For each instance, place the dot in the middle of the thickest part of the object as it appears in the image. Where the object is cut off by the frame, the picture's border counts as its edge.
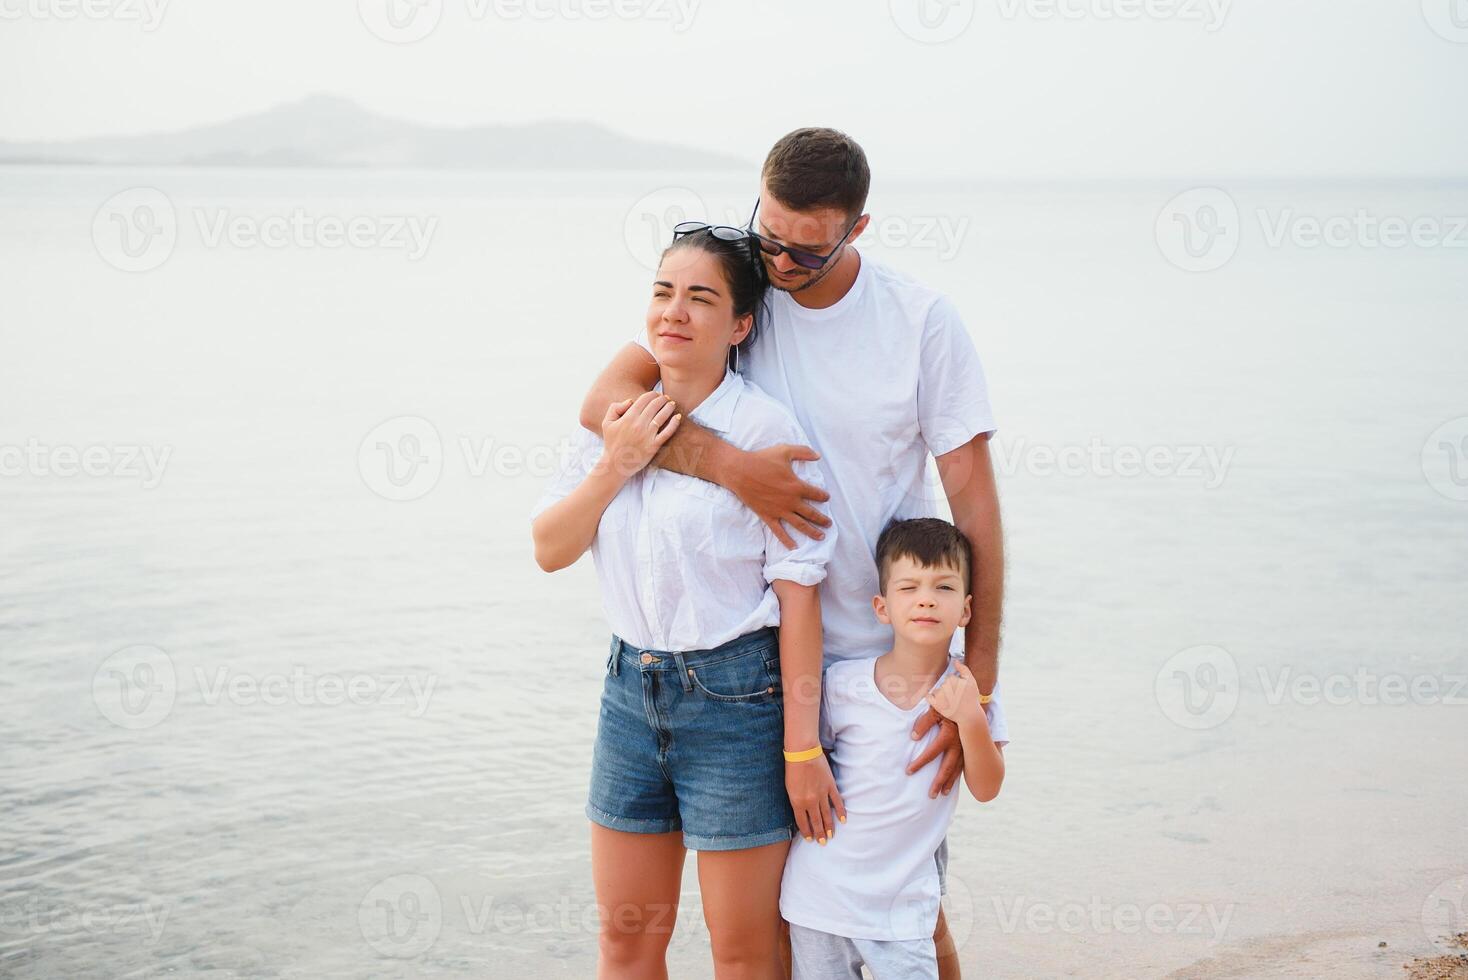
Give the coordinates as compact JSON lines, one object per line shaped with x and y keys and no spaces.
{"x":764,"y":480}
{"x":958,"y":703}
{"x":983,"y":760}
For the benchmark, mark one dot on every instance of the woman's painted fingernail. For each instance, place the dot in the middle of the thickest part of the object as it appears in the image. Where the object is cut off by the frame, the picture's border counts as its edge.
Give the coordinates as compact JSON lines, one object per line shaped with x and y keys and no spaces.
{"x":822,"y":842}
{"x":842,"y":819}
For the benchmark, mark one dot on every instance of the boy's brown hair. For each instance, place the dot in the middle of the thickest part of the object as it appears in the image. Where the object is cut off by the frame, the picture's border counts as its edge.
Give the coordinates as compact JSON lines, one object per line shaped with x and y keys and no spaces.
{"x":818,"y":168}
{"x":929,"y":541}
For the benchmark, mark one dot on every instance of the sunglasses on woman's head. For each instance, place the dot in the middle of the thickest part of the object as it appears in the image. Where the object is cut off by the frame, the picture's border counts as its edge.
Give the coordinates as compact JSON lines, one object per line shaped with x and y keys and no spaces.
{"x":802,"y":258}
{"x":724,"y":233}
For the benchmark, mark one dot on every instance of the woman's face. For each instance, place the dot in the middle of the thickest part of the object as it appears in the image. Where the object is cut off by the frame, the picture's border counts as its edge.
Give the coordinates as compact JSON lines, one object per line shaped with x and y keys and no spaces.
{"x":691,"y":321}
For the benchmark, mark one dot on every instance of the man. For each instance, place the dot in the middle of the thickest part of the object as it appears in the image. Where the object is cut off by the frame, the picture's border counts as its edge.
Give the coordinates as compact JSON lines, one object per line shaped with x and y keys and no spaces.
{"x":881,"y":373}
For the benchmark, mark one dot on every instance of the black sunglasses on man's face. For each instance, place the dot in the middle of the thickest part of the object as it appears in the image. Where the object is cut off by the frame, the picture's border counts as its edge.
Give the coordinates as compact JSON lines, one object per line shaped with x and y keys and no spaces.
{"x":802,"y":258}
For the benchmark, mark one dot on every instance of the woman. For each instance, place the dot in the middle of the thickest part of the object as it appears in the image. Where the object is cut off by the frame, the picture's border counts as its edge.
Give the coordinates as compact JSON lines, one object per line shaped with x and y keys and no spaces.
{"x":701,"y":691}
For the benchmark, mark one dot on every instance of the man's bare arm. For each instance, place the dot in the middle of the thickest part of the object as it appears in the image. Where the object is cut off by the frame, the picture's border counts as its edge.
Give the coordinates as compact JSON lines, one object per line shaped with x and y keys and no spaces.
{"x":968,"y":479}
{"x":765,"y":479}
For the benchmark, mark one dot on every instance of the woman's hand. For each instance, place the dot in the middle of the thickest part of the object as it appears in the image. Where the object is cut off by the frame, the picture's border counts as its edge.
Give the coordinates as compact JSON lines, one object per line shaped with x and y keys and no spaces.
{"x":813,"y":796}
{"x":634,"y":430}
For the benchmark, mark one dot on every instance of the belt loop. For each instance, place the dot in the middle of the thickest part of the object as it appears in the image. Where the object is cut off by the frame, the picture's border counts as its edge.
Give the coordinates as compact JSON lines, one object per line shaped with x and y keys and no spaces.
{"x":617,"y":645}
{"x":683,"y":672}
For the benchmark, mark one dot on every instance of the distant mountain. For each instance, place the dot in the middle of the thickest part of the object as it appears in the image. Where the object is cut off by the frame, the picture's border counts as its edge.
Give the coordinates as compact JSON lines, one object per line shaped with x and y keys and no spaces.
{"x":325,"y":131}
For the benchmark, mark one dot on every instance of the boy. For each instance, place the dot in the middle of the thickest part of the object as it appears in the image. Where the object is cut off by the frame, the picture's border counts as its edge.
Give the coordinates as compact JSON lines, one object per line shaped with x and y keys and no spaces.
{"x":870,"y":894}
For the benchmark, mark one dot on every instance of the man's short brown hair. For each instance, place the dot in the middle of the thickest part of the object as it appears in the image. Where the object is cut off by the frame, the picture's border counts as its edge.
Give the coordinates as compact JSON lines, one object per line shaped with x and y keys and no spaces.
{"x":818,"y":168}
{"x":929,"y":541}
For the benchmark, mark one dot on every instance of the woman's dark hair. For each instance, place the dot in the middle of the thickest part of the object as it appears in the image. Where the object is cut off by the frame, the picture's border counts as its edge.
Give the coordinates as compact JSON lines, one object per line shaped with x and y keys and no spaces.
{"x":743,"y":270}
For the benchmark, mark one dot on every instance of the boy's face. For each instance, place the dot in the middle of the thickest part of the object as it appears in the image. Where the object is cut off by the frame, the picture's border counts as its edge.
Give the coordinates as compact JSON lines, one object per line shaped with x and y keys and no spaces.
{"x":923,"y":604}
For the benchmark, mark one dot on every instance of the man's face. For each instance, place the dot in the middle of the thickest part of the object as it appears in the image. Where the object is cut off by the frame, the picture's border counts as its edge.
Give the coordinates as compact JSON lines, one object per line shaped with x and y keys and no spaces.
{"x":815,"y":231}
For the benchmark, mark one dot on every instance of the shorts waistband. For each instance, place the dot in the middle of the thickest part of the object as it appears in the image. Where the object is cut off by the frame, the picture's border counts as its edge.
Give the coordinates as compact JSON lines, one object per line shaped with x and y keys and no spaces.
{"x":647,"y":659}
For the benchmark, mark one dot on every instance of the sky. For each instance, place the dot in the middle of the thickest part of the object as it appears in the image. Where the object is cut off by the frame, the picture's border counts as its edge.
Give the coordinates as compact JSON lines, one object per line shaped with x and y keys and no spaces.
{"x":1033,"y":89}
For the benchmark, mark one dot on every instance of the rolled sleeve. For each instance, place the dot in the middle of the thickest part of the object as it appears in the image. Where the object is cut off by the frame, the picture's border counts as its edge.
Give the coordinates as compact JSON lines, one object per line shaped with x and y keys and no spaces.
{"x":953,"y":394}
{"x":581,"y":455}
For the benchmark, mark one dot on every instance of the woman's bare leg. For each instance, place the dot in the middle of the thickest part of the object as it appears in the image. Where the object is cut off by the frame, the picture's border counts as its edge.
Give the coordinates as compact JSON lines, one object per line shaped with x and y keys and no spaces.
{"x":741,"y":905}
{"x":638,"y":878}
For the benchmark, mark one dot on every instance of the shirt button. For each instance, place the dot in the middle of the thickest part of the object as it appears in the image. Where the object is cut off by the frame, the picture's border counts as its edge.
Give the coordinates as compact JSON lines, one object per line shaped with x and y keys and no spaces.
{"x":648,"y":658}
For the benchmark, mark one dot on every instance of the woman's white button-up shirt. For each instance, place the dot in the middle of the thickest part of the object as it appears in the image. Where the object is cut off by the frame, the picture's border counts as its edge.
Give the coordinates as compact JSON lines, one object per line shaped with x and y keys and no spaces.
{"x":683,"y":564}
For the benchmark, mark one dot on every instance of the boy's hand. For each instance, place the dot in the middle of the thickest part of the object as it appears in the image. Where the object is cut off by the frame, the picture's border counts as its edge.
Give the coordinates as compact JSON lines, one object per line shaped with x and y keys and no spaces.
{"x":813,"y":795}
{"x":957,"y":698}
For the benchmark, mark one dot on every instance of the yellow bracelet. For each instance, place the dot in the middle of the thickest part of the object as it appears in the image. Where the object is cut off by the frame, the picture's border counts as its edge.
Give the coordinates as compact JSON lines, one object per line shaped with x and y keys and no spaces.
{"x":985,"y":698}
{"x":804,"y":755}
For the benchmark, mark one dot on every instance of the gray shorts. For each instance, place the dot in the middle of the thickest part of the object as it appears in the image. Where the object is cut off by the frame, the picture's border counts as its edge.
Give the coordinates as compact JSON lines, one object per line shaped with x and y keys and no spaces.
{"x":941,"y":857}
{"x":817,"y":955}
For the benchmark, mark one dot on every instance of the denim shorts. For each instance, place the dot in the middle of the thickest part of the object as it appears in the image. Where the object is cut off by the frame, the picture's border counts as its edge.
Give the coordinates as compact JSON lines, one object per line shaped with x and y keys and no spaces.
{"x":692,"y":741}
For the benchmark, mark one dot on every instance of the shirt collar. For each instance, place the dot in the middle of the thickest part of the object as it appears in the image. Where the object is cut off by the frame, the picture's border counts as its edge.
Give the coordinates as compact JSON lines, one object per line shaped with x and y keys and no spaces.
{"x":716,"y":412}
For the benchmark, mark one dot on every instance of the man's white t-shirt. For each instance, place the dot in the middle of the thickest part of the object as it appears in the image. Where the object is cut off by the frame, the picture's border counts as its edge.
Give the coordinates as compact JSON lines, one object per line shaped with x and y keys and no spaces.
{"x":879,"y":380}
{"x":876,"y":877}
